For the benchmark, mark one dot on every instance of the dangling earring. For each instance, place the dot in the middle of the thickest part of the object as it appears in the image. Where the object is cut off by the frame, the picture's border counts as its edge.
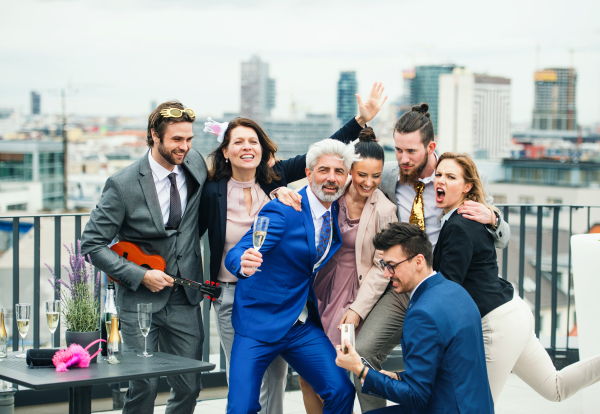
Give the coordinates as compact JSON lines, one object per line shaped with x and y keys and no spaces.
{"x":226,"y":160}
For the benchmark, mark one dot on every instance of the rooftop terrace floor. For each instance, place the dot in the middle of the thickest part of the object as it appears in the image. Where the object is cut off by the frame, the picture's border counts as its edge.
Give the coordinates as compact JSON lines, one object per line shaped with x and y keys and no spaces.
{"x":516,"y":398}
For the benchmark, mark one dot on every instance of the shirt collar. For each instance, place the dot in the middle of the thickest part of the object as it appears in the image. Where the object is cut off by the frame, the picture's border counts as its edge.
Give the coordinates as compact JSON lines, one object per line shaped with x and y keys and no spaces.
{"x":160,"y":171}
{"x":429,"y":179}
{"x":316,"y":208}
{"x":446,"y":216}
{"x":415,"y":289}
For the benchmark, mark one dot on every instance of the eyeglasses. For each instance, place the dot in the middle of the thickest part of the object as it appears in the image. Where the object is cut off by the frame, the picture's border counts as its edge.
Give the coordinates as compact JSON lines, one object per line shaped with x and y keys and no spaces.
{"x":390,"y":268}
{"x":177,"y":113}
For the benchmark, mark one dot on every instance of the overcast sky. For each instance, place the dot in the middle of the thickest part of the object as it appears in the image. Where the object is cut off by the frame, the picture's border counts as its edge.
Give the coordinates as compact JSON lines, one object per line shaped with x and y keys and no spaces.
{"x":119,"y":55}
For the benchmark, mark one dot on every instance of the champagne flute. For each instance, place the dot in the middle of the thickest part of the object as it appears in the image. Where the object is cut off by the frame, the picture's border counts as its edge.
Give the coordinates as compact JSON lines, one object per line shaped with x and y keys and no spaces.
{"x":22,"y":313}
{"x":145,"y":321}
{"x":383,"y":222}
{"x":261,"y":224}
{"x":52,"y":317}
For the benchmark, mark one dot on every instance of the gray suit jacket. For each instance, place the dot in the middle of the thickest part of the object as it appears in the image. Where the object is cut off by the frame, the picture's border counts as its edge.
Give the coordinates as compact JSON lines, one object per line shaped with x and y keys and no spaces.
{"x":129,"y":210}
{"x":389,"y":179}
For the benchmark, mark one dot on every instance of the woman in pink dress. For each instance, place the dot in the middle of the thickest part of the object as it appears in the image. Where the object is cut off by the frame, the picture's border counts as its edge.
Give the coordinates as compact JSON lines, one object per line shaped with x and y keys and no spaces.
{"x":350,"y":283}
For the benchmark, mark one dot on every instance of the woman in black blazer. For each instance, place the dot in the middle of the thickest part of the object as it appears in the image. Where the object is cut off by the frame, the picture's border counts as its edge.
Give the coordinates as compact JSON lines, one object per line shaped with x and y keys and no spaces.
{"x":465,"y":254}
{"x":242,"y":162}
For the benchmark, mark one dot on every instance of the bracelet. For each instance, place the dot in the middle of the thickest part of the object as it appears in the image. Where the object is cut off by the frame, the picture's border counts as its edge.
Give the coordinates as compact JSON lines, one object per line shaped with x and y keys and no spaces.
{"x":362,"y":372}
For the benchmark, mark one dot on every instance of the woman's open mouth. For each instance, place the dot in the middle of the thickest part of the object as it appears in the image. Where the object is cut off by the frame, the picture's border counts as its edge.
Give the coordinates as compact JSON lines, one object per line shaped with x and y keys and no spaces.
{"x":440,"y":194}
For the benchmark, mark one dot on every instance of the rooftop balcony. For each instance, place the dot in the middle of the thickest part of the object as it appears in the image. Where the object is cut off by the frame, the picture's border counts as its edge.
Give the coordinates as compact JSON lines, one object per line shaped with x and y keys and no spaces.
{"x":537,"y":261}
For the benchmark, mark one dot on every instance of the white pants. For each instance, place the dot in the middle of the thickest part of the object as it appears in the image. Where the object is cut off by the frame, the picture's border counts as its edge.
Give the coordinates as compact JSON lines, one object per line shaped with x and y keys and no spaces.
{"x":511,"y":345}
{"x":272,"y":391}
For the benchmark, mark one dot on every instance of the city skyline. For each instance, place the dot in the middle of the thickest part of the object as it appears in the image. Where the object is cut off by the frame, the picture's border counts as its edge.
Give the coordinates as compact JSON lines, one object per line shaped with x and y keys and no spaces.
{"x":120,"y":56}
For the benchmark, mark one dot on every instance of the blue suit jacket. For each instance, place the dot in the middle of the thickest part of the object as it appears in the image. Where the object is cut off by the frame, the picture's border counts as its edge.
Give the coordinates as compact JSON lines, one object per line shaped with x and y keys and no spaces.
{"x":268,"y":303}
{"x":443,"y":353}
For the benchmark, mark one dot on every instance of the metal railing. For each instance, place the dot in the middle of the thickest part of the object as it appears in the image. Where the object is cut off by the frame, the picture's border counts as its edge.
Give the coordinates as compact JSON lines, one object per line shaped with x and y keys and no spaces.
{"x":540,"y":211}
{"x":218,"y":376}
{"x":214,"y":378}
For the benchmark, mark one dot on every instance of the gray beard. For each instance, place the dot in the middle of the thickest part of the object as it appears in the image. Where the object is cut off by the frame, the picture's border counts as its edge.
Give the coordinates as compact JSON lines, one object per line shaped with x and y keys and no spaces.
{"x":318,"y":191}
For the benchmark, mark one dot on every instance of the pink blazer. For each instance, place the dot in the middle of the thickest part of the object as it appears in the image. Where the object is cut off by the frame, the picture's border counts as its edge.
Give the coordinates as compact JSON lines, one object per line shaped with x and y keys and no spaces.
{"x":370,"y":275}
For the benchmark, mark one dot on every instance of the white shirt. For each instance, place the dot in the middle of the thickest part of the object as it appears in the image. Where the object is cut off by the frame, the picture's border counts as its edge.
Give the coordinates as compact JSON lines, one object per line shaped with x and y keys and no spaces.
{"x":446,"y":217}
{"x":405,"y":197}
{"x":317,"y":210}
{"x":163,"y":186}
{"x":415,"y":289}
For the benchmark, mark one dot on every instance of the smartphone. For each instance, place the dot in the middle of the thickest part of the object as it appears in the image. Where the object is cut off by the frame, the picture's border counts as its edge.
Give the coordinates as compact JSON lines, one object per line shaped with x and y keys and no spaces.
{"x":365,"y":362}
{"x":347,"y":333}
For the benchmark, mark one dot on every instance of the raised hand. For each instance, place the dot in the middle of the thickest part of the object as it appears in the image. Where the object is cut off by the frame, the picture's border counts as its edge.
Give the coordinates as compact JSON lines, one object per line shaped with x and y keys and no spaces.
{"x":371,"y":106}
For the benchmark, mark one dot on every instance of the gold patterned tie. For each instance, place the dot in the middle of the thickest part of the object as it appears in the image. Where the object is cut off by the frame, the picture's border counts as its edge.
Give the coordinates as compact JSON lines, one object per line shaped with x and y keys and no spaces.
{"x":417,"y":215}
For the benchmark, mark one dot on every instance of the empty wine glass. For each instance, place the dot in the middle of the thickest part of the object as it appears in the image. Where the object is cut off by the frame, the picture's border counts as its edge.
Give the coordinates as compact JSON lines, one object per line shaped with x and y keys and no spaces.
{"x":145,"y":320}
{"x":261,"y":224}
{"x":23,"y":314}
{"x":52,"y":317}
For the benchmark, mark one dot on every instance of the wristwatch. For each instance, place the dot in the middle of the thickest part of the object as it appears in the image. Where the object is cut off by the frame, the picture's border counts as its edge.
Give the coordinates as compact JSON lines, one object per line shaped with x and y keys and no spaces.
{"x":494,"y":227}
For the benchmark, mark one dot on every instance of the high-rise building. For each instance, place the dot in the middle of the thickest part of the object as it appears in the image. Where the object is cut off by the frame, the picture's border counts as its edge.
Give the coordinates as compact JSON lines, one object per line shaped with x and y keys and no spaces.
{"x":474,"y":114}
{"x":37,"y":161}
{"x":554,"y":103}
{"x":35,"y":103}
{"x":347,"y":87}
{"x":425,"y":88}
{"x":408,"y":97}
{"x":258,"y":90}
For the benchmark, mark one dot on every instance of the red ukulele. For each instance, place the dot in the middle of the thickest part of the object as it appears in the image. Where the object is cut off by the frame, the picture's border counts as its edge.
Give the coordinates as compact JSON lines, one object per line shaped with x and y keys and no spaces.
{"x":133,"y":253}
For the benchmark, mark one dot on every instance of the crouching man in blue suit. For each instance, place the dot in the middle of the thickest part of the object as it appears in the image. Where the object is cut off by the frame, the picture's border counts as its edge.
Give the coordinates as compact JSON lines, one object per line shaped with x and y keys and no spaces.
{"x":275,"y":311}
{"x":442,"y":341}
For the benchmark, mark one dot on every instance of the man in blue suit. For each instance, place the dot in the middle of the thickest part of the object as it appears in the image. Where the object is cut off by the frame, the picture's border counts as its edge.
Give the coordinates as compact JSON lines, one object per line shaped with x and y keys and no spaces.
{"x":442,"y":341}
{"x":275,"y":310}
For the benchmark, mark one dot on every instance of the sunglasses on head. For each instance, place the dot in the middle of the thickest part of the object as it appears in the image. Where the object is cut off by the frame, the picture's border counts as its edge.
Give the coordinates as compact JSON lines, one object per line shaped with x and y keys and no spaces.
{"x":177,"y":113}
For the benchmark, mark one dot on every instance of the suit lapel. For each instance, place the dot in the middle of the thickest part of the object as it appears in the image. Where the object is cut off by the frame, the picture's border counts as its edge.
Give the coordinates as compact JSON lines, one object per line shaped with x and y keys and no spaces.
{"x":187,"y":165}
{"x":149,"y":189}
{"x":223,"y":207}
{"x":366,"y":216}
{"x":426,"y":285}
{"x":388,"y":186}
{"x":309,"y":226}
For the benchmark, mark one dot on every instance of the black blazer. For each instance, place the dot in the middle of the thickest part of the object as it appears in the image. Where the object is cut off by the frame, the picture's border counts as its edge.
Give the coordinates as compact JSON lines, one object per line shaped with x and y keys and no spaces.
{"x":213,"y":204}
{"x":465,"y":253}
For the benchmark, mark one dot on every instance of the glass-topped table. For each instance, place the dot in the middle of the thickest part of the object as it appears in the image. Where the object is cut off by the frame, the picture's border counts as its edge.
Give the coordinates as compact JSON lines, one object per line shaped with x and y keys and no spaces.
{"x":80,"y":380}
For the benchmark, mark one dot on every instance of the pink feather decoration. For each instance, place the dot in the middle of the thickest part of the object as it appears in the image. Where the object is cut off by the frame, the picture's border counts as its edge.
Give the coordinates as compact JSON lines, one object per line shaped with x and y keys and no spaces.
{"x":75,"y":355}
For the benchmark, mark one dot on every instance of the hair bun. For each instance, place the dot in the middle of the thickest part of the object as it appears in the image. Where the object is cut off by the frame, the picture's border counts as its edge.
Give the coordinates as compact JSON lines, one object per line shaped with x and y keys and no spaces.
{"x":423,"y":109}
{"x":367,"y":134}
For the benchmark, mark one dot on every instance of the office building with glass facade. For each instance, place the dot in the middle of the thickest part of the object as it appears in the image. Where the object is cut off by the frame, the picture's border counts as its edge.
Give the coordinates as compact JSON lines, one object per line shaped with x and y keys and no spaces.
{"x":554,"y":103}
{"x":346,"y":101}
{"x":425,"y":88}
{"x":35,"y":161}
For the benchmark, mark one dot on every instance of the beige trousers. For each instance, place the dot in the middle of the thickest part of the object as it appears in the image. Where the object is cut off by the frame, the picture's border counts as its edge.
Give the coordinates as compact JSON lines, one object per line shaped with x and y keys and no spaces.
{"x":511,"y":345}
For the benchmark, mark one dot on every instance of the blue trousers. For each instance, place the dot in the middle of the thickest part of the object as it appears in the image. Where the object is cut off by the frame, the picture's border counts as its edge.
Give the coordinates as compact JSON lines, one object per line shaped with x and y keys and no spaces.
{"x":308,"y":350}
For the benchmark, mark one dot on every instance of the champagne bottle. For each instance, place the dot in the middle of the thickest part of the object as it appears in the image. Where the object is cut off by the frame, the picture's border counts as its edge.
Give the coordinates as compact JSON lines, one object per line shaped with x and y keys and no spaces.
{"x":3,"y":336}
{"x":114,"y":346}
{"x":105,"y":319}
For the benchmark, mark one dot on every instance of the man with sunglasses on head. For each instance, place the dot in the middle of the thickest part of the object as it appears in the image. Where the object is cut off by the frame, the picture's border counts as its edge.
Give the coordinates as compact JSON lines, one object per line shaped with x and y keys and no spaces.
{"x":442,"y":343}
{"x":154,"y":203}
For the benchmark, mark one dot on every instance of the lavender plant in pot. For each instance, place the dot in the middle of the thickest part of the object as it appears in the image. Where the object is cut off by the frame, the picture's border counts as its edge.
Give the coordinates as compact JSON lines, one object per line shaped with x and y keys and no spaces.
{"x":79,"y":307}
